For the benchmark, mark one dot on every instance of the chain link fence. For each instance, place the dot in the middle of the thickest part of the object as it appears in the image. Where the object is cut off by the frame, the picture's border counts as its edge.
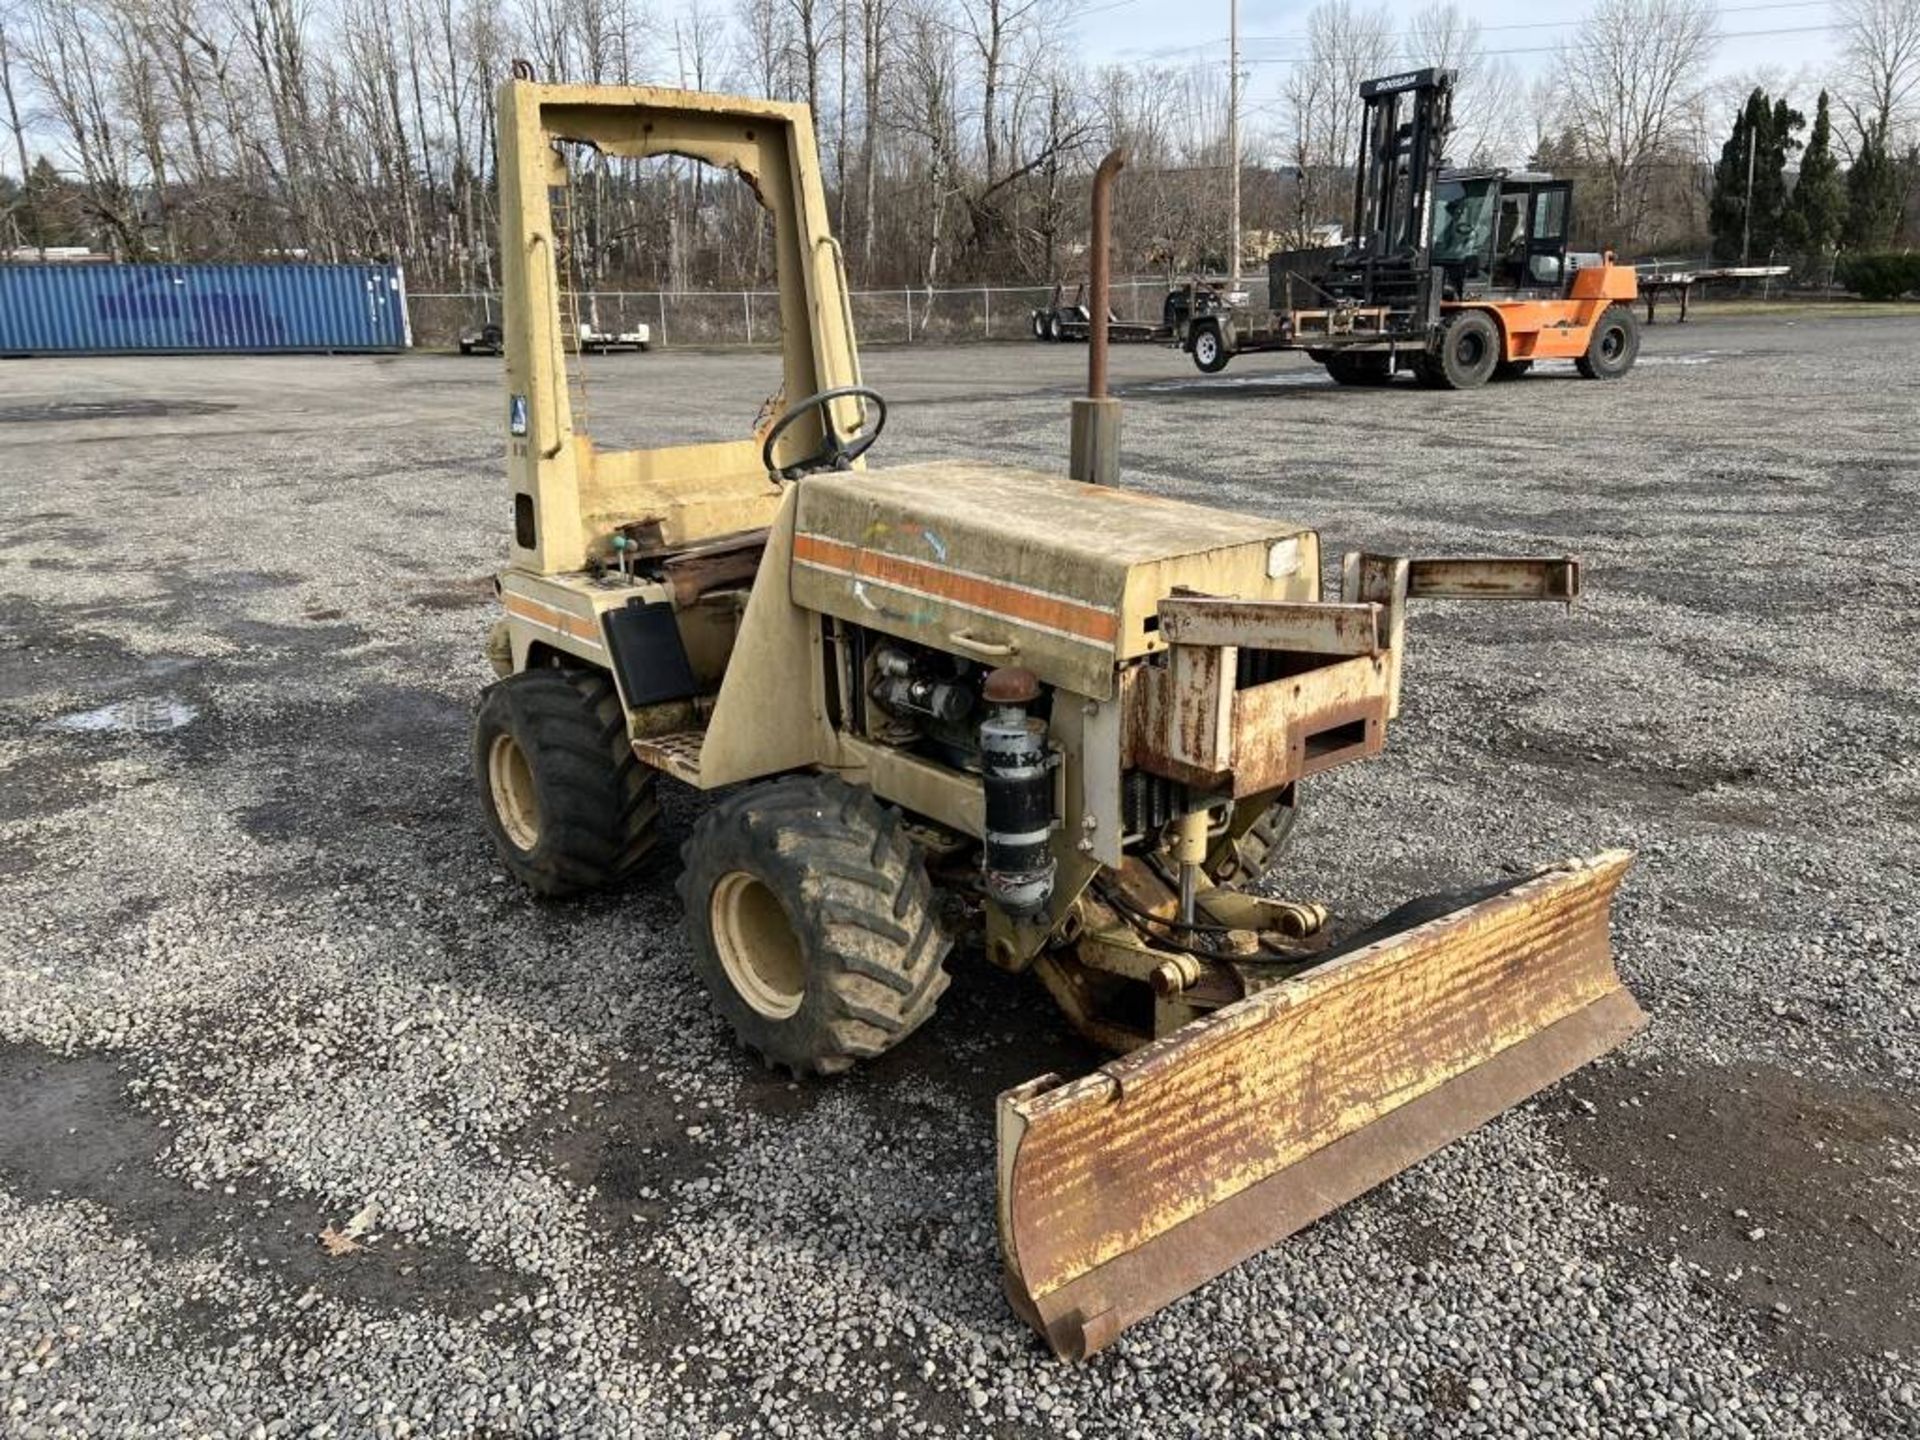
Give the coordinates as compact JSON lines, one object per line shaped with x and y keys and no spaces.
{"x":907,"y":315}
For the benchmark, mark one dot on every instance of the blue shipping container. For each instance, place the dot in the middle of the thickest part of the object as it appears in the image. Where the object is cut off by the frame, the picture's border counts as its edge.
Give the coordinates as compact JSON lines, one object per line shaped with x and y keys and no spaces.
{"x":84,"y":309}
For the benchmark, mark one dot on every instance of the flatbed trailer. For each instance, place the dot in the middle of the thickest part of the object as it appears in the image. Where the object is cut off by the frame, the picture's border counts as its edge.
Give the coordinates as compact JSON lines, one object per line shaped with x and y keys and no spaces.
{"x":1071,"y":321}
{"x":1678,"y":284}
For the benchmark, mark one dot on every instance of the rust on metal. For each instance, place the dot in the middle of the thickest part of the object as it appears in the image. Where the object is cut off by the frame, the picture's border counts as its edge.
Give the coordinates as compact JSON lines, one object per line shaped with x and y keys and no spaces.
{"x":1176,"y":973}
{"x":1125,"y":1189}
{"x":1495,"y":578}
{"x":1188,"y":722}
{"x":1300,"y":626}
{"x":727,"y":562}
{"x":1010,"y":685}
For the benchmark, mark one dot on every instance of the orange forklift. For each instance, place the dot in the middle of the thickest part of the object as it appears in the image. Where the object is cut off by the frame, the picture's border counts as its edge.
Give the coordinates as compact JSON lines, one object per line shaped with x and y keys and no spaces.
{"x":1456,"y":276}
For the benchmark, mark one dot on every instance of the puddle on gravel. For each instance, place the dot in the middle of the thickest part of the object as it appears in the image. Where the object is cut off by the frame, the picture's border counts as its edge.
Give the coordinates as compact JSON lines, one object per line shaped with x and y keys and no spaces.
{"x":1705,"y":357}
{"x":146,"y":716}
{"x":1236,"y":382}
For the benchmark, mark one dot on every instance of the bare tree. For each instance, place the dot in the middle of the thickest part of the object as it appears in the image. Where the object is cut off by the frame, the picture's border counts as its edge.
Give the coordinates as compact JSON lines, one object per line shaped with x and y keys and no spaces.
{"x":1486,"y":95}
{"x":1879,"y":85}
{"x":959,"y":135}
{"x":765,"y":46}
{"x":875,"y":21}
{"x":995,"y":26}
{"x":64,"y":41}
{"x":10,"y":91}
{"x":1632,"y":87}
{"x":1345,"y":45}
{"x":843,"y":30}
{"x":924,"y":104}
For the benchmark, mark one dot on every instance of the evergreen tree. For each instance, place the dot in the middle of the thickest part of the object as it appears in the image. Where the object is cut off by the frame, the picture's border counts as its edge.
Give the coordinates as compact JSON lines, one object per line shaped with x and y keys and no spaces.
{"x":1874,"y":195}
{"x":1818,"y":206}
{"x":1752,"y":173}
{"x":50,"y":208}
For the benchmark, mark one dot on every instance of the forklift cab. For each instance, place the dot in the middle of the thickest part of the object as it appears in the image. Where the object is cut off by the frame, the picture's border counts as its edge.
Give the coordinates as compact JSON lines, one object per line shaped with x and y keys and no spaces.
{"x":1535,"y":211}
{"x":1502,"y":232}
{"x":1466,"y":219}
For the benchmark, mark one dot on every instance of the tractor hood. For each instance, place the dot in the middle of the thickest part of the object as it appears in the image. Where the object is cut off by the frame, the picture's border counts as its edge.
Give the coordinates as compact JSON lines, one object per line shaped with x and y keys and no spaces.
{"x":1019,"y":567}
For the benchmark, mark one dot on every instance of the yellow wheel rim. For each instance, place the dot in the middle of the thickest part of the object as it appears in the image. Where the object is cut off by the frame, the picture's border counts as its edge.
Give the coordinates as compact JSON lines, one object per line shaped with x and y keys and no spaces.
{"x":515,"y":800}
{"x":757,"y":945}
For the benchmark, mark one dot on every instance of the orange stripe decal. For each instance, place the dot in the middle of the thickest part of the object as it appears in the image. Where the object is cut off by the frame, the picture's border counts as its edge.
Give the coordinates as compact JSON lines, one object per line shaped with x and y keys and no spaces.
{"x":975,"y":592}
{"x":549,"y":618}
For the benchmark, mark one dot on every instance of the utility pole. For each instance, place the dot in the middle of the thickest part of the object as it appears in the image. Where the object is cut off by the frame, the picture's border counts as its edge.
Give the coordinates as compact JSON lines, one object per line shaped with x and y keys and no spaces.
{"x":1233,"y":138}
{"x":1746,"y":211}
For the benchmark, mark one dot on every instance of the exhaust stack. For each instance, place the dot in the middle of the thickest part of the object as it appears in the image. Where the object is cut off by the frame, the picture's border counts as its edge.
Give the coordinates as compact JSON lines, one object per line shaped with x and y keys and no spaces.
{"x":1094,"y":456}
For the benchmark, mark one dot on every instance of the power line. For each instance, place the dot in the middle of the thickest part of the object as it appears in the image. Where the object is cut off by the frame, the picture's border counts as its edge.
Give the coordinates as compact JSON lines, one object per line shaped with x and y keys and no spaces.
{"x":1555,"y":49}
{"x":1301,"y":35}
{"x":1102,"y":9}
{"x":1583,"y":19}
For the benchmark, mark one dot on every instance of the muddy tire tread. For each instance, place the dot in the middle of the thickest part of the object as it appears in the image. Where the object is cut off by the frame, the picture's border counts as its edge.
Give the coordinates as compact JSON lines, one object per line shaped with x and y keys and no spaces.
{"x":598,"y":814}
{"x":863,"y":907}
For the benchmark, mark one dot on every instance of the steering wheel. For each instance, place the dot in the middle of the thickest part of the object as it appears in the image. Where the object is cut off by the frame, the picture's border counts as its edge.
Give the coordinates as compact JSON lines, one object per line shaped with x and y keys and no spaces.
{"x":834,"y":453}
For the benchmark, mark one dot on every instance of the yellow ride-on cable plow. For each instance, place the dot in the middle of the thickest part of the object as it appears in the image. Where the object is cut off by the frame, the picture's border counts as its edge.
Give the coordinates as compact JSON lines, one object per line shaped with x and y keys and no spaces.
{"x":1068,"y":723}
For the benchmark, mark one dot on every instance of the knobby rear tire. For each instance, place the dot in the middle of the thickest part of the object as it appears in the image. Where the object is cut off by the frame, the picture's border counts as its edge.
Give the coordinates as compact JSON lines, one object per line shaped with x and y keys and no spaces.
{"x":588,"y":815}
{"x":856,"y":904}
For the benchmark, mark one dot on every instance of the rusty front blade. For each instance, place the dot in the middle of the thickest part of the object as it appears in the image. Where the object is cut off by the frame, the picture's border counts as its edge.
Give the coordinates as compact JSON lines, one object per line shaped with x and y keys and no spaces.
{"x":1124,"y":1190}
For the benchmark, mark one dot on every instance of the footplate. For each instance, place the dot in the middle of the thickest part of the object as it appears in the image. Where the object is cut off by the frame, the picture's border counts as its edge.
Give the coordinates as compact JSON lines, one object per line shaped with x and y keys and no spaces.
{"x":1124,"y":1190}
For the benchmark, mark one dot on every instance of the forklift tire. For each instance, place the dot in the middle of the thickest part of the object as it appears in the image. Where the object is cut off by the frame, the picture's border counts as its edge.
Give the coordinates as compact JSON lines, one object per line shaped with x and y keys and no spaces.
{"x":1464,"y":353}
{"x":1511,"y":369}
{"x":1366,"y":369}
{"x":1039,"y":326}
{"x":1613,"y":346}
{"x":568,"y":805}
{"x":1210,"y":351}
{"x":1053,"y":328}
{"x":1247,"y":857}
{"x":812,"y":922}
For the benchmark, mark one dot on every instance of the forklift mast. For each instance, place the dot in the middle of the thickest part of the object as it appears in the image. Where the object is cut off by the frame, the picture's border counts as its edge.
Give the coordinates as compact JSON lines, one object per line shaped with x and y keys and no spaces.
{"x":1404,"y":123}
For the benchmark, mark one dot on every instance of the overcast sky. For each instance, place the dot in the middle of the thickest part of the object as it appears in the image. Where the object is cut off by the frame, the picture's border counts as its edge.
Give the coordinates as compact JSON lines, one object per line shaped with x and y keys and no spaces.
{"x":1786,"y":43}
{"x":1787,"y":36}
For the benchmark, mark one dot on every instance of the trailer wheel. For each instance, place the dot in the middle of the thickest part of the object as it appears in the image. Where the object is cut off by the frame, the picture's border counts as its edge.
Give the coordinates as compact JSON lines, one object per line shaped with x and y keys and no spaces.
{"x":1511,"y":369}
{"x":1614,"y":345}
{"x":568,"y":805}
{"x":813,"y":924}
{"x":1464,"y":352}
{"x":1210,"y":351}
{"x":1365,"y":369}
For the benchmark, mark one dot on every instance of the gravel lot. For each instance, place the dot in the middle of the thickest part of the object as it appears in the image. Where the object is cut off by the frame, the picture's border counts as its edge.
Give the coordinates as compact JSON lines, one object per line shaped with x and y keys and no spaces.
{"x":261,"y":978}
